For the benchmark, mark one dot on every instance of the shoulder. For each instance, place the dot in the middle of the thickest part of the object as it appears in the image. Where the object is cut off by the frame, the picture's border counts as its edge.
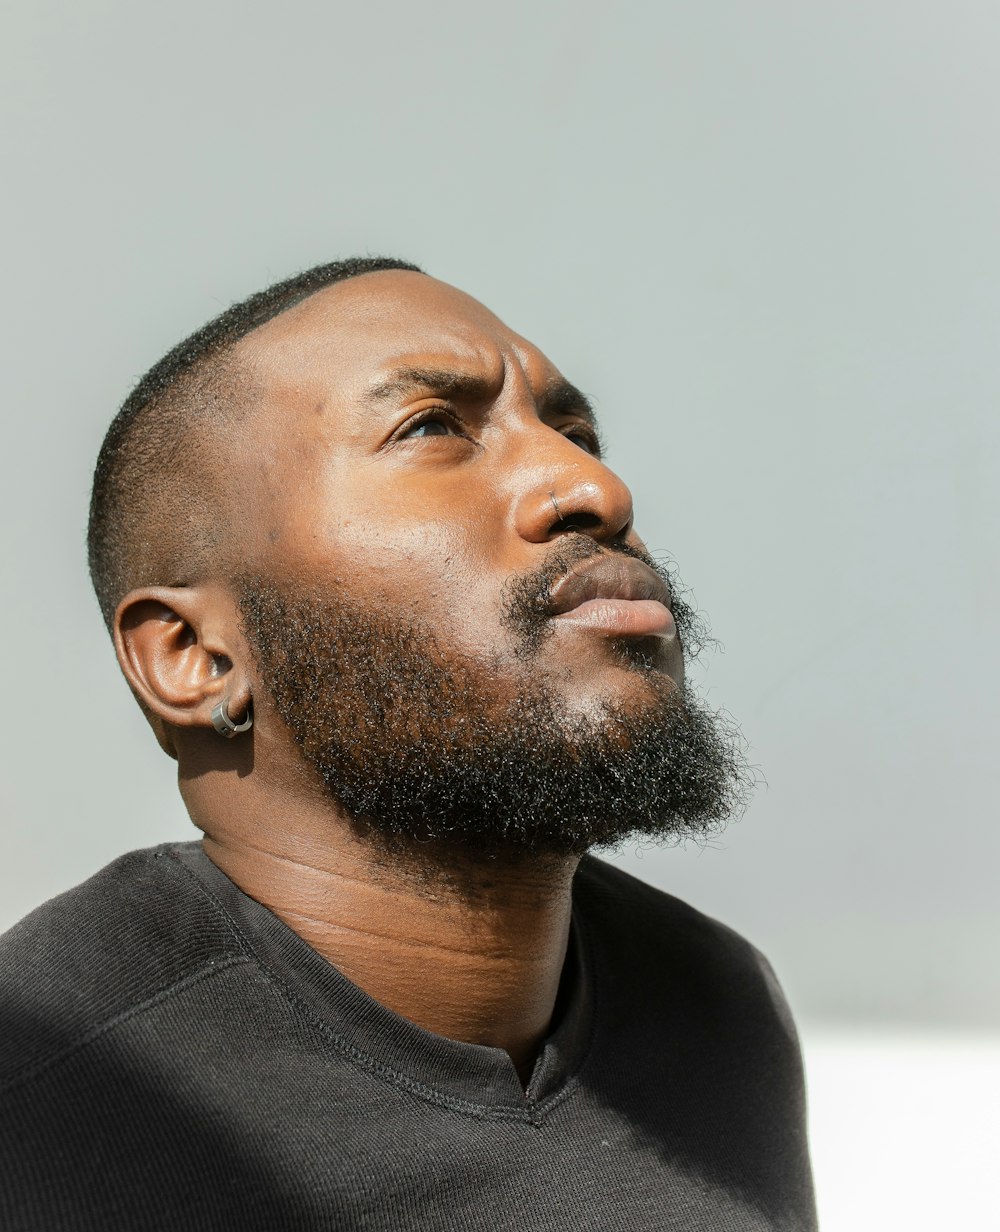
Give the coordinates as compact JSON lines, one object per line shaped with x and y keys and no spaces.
{"x":689,"y":1022}
{"x":134,"y":930}
{"x":629,"y":908}
{"x":652,"y":939}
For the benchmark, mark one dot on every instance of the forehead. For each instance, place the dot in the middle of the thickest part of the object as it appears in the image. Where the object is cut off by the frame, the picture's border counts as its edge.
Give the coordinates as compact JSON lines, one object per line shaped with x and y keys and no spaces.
{"x":348,"y":336}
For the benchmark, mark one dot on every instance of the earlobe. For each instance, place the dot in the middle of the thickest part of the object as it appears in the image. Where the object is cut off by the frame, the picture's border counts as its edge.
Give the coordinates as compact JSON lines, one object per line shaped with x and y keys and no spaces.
{"x":225,"y":725}
{"x":171,"y":644}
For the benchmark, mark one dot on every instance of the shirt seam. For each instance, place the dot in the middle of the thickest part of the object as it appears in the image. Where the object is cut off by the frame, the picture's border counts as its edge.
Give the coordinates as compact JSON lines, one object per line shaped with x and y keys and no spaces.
{"x":85,"y":1038}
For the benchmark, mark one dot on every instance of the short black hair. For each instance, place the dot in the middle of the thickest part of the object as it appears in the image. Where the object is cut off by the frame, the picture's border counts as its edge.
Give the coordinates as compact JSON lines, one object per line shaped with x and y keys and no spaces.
{"x":151,"y":501}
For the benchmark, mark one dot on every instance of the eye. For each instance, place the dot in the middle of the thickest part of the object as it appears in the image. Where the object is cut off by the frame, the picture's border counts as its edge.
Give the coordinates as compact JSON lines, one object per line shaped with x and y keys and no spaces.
{"x":434,"y":422}
{"x":584,"y":436}
{"x":430,"y":427}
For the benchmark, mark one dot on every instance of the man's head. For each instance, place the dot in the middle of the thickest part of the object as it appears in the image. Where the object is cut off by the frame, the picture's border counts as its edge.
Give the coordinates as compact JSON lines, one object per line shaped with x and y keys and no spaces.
{"x":373,"y":509}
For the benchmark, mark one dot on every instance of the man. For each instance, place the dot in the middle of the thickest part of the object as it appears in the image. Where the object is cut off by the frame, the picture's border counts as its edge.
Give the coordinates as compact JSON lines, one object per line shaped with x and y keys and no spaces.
{"x":376,"y":592}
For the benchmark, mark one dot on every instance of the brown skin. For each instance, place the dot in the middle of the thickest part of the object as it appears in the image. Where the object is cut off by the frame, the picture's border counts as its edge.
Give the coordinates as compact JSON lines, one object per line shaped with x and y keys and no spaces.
{"x":332,"y":482}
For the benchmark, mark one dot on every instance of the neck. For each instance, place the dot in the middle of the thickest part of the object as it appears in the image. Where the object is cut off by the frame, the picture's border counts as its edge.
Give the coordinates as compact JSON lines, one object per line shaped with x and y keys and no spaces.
{"x":470,"y":952}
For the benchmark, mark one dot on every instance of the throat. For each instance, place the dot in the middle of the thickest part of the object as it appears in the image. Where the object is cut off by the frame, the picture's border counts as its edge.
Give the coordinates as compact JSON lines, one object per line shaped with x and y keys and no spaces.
{"x":476,"y":954}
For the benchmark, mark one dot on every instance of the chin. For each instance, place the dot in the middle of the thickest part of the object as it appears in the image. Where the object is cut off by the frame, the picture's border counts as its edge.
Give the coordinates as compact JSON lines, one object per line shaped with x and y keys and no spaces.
{"x":620,"y":691}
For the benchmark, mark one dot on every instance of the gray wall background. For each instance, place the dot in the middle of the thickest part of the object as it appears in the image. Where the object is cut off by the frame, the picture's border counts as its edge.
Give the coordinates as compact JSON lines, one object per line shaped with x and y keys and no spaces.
{"x":763,"y":236}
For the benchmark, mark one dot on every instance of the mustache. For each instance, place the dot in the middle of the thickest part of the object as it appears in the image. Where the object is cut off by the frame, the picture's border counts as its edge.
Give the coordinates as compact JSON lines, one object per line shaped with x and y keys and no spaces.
{"x":527,"y":597}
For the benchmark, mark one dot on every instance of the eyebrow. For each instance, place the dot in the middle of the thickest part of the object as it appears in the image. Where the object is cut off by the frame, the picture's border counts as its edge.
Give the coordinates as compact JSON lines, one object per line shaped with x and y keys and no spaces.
{"x":558,"y":396}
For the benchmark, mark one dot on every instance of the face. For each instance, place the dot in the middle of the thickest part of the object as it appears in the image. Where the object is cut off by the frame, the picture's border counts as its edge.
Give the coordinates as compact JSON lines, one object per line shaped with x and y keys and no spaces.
{"x":447,"y":602}
{"x":419,"y":456}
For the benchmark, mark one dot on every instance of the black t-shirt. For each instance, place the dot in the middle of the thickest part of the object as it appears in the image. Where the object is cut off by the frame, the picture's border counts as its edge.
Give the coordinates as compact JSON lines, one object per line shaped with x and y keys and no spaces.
{"x":173,"y":1056}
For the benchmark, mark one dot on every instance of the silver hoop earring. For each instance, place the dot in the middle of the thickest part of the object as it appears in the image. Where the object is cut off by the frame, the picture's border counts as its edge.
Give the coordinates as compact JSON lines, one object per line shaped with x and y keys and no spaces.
{"x":225,"y":726}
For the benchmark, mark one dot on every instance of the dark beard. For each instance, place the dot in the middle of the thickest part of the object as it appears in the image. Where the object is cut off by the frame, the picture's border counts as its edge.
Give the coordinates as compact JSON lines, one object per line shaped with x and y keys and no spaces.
{"x":422,"y":746}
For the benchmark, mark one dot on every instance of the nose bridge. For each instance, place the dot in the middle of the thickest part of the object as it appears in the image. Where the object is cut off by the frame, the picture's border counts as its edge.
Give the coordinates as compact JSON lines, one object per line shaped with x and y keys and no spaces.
{"x":559,"y":486}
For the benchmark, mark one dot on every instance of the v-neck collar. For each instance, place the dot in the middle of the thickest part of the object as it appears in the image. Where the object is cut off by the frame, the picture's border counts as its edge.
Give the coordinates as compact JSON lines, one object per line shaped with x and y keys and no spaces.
{"x":470,"y":1077}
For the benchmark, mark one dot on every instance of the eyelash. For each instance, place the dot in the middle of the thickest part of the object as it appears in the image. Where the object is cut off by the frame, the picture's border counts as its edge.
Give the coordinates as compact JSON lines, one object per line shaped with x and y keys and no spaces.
{"x":587,"y":435}
{"x":440,"y":413}
{"x":592,"y":442}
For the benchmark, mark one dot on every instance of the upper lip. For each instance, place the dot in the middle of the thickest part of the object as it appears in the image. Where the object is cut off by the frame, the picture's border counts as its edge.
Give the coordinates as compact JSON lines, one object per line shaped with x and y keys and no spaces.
{"x":607,"y":577}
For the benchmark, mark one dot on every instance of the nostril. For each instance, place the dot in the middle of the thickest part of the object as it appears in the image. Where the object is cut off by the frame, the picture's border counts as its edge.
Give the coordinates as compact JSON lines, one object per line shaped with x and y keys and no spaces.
{"x":600,"y":510}
{"x":579,"y":522}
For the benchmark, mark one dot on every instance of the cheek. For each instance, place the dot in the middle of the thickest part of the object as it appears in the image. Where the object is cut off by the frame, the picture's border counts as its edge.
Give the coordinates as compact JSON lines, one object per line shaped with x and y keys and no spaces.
{"x":429,"y":568}
{"x":427,"y":546}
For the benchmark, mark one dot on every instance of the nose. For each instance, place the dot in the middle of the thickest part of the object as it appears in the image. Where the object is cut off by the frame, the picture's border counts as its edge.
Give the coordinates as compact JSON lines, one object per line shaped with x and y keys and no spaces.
{"x":563,"y":488}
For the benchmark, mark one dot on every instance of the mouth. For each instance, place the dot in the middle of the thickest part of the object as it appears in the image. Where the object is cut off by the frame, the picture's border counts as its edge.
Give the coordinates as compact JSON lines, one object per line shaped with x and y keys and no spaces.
{"x":614,"y":595}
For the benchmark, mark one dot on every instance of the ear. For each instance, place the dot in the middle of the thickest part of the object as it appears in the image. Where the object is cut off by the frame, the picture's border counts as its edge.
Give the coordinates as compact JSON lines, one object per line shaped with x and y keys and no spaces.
{"x":178,"y":647}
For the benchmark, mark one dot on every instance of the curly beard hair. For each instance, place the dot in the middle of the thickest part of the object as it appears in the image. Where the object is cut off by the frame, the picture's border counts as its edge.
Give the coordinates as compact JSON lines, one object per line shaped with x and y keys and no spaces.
{"x":422,"y":747}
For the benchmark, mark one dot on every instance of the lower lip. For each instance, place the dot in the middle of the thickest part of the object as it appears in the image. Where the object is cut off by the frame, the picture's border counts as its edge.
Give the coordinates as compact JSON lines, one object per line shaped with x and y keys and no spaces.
{"x":622,"y":617}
